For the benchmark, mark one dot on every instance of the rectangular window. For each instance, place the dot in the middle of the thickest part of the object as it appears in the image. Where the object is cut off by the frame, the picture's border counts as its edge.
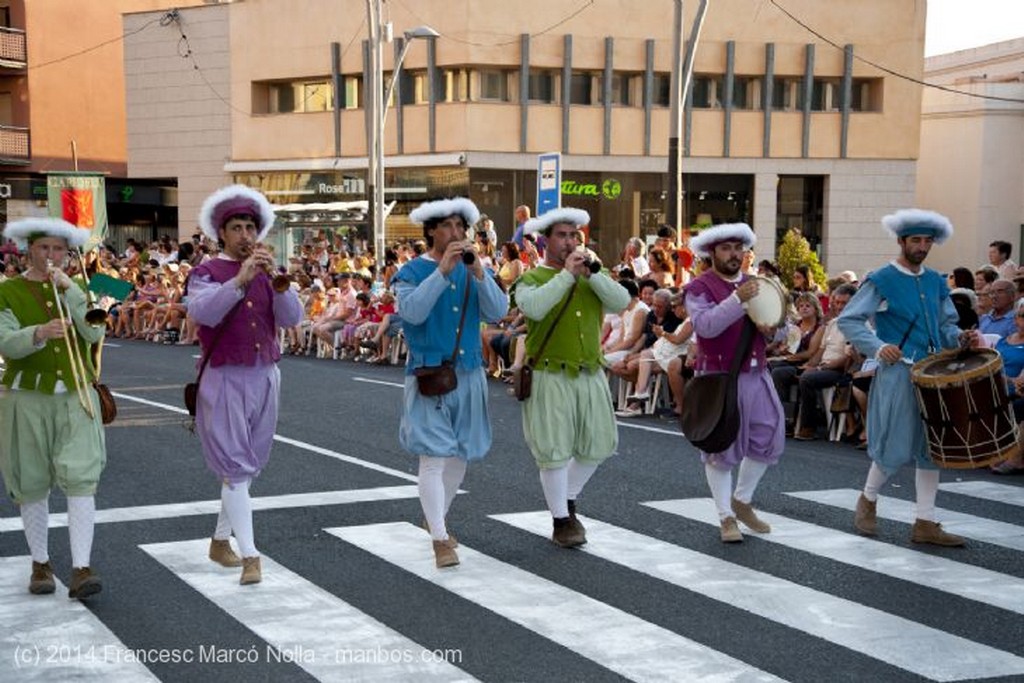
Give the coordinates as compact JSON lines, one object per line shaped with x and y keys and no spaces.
{"x":746,"y":92}
{"x":353,"y":87}
{"x":825,"y":94}
{"x":420,"y":88}
{"x":662,"y":90}
{"x":786,"y":94}
{"x":293,"y":97}
{"x":866,"y":94}
{"x":456,"y":85}
{"x":622,"y":89}
{"x":493,"y":85}
{"x":707,"y":92}
{"x":541,"y":87}
{"x":581,"y":88}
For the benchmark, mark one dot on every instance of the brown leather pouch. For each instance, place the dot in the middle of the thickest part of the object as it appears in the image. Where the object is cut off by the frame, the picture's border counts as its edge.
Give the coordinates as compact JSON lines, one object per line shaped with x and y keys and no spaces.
{"x":436,"y":380}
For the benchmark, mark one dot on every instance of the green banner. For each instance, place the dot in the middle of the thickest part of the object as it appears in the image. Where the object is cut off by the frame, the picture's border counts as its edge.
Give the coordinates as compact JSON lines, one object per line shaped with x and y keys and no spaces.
{"x":80,"y":199}
{"x":104,"y":285}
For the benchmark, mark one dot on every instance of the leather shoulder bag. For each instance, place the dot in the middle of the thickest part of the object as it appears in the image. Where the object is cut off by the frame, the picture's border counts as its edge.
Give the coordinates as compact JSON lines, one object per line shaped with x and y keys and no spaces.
{"x":438,"y":380}
{"x":522,"y":379}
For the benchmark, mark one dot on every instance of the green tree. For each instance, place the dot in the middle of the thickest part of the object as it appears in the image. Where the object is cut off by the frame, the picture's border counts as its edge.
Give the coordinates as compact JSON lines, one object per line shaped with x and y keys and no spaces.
{"x":794,"y":251}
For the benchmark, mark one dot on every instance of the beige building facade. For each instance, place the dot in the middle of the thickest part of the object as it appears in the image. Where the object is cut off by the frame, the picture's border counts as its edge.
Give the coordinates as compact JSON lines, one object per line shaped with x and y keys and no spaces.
{"x":972,"y":150}
{"x":782,"y":129}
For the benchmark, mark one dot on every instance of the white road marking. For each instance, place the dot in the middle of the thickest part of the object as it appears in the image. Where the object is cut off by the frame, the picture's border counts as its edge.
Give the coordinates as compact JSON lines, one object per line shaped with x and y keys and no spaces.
{"x":873,"y":633}
{"x":212,"y":507}
{"x":610,"y":637}
{"x":326,"y":636}
{"x":931,"y":571}
{"x":987,"y":490}
{"x":979,"y":528}
{"x":378,"y":381}
{"x":47,"y":638}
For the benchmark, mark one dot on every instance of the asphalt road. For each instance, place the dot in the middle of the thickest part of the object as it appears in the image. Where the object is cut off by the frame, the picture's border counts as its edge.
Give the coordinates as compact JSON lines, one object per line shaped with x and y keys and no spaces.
{"x":350,"y":591}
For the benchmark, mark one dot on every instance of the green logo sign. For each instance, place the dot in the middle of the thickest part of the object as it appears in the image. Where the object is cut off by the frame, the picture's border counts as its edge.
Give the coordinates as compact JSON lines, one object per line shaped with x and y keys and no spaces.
{"x":609,"y":189}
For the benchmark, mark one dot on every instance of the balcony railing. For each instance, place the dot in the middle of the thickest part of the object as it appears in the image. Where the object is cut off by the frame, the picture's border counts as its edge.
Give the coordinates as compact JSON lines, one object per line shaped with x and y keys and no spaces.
{"x":12,"y":47}
{"x":14,"y":146}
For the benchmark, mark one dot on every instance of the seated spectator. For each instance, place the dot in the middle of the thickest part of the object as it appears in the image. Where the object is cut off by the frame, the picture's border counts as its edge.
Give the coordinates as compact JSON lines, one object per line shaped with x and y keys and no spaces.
{"x":985,"y":276}
{"x":786,"y":369}
{"x":660,"y":315}
{"x":633,"y":318}
{"x":999,"y":320}
{"x":961,"y":278}
{"x":1011,"y":349}
{"x":826,"y":368}
{"x":667,"y":348}
{"x":662,"y":268}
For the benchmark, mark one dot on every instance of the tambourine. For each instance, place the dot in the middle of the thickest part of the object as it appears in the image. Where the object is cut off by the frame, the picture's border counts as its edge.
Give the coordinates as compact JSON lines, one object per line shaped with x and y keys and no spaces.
{"x":768,"y":306}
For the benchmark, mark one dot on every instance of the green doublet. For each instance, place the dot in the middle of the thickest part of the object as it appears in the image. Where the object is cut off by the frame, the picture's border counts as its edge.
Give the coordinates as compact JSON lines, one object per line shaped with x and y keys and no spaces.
{"x":576,"y":342}
{"x":32,"y":303}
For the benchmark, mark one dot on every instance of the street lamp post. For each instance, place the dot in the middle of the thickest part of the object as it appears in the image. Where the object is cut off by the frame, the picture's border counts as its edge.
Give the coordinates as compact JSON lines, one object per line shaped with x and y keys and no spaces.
{"x":378,"y":101}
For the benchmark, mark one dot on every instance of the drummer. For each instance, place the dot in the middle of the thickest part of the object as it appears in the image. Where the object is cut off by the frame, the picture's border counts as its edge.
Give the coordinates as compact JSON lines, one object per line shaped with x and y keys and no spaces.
{"x":913,"y":317}
{"x":716,"y":301}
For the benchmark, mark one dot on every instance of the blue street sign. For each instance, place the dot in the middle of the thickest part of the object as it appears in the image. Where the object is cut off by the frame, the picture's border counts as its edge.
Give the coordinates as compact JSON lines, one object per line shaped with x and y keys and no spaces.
{"x":549,"y":182}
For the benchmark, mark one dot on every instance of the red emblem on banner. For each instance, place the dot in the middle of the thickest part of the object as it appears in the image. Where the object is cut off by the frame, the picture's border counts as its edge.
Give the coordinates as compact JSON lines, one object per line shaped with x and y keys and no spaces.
{"x":77,"y":207}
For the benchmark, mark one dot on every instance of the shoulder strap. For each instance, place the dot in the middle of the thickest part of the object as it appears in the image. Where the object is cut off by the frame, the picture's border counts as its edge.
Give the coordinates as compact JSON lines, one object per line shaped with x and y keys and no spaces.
{"x":216,"y":338}
{"x":746,"y":341}
{"x":554,"y":324}
{"x":462,"y":318}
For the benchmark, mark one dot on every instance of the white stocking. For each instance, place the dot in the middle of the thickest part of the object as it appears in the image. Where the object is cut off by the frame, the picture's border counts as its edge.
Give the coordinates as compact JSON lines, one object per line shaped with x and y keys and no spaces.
{"x":223,"y":530}
{"x":720,"y":483}
{"x":235,"y":503}
{"x":555,"y":483}
{"x":432,"y":498}
{"x":927,"y":484}
{"x":81,"y":521}
{"x":747,"y":479}
{"x":454,"y":473}
{"x":578,"y":476}
{"x":876,"y":479}
{"x":35,"y":517}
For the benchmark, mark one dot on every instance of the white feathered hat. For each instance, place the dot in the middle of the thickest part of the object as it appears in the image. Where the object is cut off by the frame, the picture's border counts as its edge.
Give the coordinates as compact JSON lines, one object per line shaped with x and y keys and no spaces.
{"x":704,"y":243}
{"x":566,"y":214}
{"x":27,"y":230}
{"x":440,"y":209}
{"x":907,"y":222}
{"x":235,"y":200}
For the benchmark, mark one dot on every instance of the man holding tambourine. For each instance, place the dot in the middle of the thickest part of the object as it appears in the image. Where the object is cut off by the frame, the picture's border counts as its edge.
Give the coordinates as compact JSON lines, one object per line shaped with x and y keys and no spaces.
{"x":912,"y":317}
{"x":717,"y":303}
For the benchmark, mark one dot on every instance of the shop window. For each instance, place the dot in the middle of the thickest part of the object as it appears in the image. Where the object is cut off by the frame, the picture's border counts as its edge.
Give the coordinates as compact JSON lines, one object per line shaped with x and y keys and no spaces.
{"x":493,"y":85}
{"x":541,"y":87}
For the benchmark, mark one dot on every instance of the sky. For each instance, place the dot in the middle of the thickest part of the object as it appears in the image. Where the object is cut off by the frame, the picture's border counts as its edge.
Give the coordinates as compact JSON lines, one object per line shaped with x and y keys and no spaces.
{"x":961,"y":24}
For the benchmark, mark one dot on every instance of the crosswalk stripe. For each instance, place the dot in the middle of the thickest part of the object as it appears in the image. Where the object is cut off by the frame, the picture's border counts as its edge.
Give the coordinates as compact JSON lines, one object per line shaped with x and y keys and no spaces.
{"x":608,"y":636}
{"x":52,"y":638}
{"x":987,"y":490}
{"x":987,"y":530}
{"x":326,"y":636}
{"x":939,"y":573}
{"x":212,"y":507}
{"x":871,"y":632}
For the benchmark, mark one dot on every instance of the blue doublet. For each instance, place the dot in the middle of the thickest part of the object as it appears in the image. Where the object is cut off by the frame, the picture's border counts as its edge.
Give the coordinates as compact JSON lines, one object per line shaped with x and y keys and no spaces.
{"x":900,"y":304}
{"x":430,"y":305}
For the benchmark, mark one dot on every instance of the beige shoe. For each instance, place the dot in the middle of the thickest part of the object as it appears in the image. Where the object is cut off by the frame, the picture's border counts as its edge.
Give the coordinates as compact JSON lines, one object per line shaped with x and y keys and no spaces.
{"x":931,"y":532}
{"x":222,"y":554}
{"x":42,"y":582}
{"x":444,"y":554}
{"x":251,"y":571}
{"x":864,"y":518}
{"x":730,"y":531}
{"x":745,"y":513}
{"x":84,"y":583}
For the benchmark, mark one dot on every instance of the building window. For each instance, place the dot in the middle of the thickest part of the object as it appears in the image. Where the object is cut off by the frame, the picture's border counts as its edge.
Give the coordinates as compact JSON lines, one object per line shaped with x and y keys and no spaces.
{"x":581,"y":88}
{"x":662,"y":90}
{"x":353,"y":86}
{"x":707,"y":91}
{"x":825,"y":94}
{"x":541,"y":87}
{"x":456,"y":85}
{"x":493,"y":85}
{"x":420,"y":90}
{"x":786,"y":94}
{"x":623,"y":86}
{"x":866,"y":94}
{"x":746,"y":92}
{"x":292,"y":97}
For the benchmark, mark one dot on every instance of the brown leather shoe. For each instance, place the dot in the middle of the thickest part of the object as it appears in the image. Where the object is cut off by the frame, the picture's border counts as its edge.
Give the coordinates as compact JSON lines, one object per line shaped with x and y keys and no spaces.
{"x":42,"y":582}
{"x":575,"y":522}
{"x":745,"y":513}
{"x":84,"y":583}
{"x":731,"y":531}
{"x":451,"y":536}
{"x":444,"y":554}
{"x":864,"y":518}
{"x":806,"y":434}
{"x":222,"y":554}
{"x":565,"y":534}
{"x":931,"y":532}
{"x":252,"y":572}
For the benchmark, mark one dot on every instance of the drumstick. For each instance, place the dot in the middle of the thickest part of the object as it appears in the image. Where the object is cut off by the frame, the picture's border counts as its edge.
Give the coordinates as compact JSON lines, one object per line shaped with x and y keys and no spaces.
{"x":906,"y":335}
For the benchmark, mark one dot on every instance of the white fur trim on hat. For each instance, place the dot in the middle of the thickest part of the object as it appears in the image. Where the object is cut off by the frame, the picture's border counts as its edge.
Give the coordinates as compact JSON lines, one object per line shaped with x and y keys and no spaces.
{"x":541,"y":223}
{"x":442,"y":208}
{"x":704,"y":243}
{"x":906,"y":222}
{"x":257,"y":204}
{"x":20,"y":231}
{"x":971,"y":295}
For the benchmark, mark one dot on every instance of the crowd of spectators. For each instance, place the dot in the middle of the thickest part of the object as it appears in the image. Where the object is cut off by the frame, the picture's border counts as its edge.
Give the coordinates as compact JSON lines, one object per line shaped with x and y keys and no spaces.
{"x":350,"y":314}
